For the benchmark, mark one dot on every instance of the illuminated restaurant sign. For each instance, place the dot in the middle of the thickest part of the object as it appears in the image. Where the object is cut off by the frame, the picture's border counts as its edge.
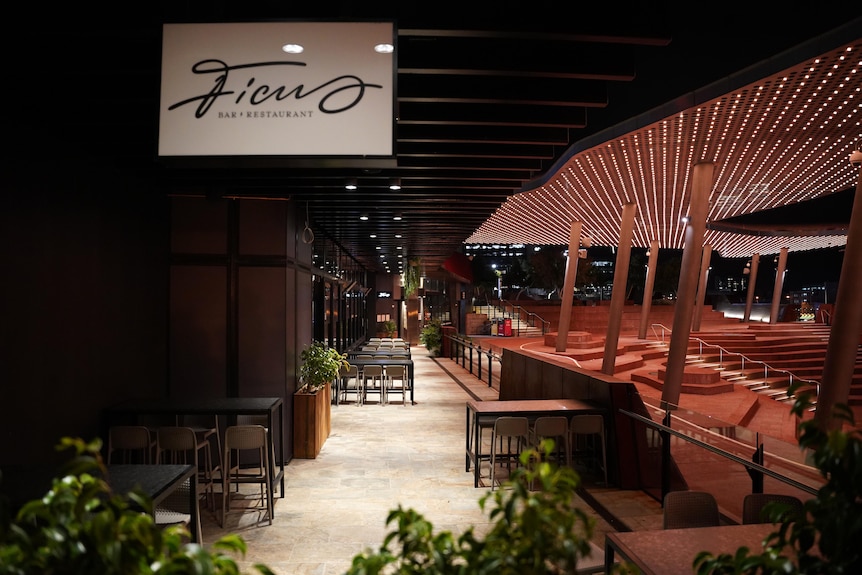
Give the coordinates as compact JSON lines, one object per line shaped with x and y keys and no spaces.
{"x":241,"y":89}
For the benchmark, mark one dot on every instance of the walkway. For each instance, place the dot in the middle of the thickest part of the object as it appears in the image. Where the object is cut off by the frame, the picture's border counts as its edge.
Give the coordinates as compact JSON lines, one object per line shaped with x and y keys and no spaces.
{"x":375,"y":459}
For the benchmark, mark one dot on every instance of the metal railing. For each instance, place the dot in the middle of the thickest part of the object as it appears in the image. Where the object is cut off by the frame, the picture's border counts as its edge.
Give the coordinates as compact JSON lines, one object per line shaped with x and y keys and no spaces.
{"x":673,"y":426}
{"x":510,"y":310}
{"x":462,"y":351}
{"x":724,"y":354}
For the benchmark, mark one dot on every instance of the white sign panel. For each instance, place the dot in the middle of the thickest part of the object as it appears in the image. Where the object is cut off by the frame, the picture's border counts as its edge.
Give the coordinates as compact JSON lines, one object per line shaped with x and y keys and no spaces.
{"x":231,"y":90}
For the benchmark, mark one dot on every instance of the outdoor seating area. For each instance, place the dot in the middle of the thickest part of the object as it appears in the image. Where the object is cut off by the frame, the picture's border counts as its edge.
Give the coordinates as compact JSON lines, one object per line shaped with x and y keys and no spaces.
{"x":379,"y":367}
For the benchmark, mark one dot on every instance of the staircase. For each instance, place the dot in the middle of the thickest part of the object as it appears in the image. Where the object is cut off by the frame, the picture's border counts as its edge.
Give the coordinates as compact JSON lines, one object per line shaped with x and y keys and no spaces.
{"x":520,"y":327}
{"x":769,"y":359}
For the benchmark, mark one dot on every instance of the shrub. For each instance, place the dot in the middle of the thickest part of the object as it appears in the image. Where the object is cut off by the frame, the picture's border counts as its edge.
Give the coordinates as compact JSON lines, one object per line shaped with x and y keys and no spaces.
{"x":81,"y":526}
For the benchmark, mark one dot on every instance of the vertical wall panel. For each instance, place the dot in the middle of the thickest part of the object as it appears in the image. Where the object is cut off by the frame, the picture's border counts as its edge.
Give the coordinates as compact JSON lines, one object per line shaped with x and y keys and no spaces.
{"x":262,"y":227}
{"x":261,"y":332}
{"x":198,"y":324}
{"x":198,"y":226}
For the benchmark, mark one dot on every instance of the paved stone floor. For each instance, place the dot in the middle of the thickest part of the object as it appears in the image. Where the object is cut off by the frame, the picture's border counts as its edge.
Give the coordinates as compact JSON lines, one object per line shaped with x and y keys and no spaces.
{"x":377,"y":458}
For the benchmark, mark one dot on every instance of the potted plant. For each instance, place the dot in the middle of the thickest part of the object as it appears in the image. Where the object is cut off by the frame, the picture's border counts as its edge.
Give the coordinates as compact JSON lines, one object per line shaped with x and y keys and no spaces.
{"x":388,"y":328}
{"x":431,"y":337}
{"x":320,"y":367}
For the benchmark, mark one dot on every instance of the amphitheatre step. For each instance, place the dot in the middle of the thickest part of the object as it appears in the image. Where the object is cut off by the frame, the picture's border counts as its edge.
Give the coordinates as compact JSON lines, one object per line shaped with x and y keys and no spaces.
{"x":578,"y":339}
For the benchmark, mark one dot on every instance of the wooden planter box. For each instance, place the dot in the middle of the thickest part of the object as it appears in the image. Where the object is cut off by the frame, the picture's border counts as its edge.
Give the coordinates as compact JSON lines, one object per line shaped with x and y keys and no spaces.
{"x":311,"y":422}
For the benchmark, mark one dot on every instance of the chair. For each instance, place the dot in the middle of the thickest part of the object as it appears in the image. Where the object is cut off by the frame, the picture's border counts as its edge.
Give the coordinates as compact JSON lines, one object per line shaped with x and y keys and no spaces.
{"x":754,"y":507}
{"x":206,"y":428}
{"x":132,"y":443}
{"x":508,"y":428}
{"x":684,"y":509}
{"x":182,"y":446}
{"x":246,"y":443}
{"x":377,"y":378}
{"x":396,"y":381}
{"x":350,"y":383}
{"x":554,"y":427}
{"x":582,"y":427}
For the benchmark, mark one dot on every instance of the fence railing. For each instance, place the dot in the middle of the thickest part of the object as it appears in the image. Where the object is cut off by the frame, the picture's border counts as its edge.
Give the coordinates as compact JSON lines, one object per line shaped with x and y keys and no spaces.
{"x":764,"y":463}
{"x":463,"y":351}
{"x":661,"y":331}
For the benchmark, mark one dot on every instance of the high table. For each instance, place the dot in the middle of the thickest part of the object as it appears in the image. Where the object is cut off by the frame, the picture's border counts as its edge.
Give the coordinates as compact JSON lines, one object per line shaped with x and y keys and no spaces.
{"x":159,"y":482}
{"x":672,"y":551}
{"x":485,"y":412}
{"x":377,"y":353}
{"x":270,"y":407}
{"x":360,"y":363}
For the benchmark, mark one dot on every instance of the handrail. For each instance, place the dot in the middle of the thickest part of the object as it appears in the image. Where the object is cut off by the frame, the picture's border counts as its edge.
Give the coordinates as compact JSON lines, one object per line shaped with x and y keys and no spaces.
{"x":801,"y":468}
{"x":461,"y":350}
{"x":517,"y":311}
{"x":743,"y":358}
{"x":721,"y":452}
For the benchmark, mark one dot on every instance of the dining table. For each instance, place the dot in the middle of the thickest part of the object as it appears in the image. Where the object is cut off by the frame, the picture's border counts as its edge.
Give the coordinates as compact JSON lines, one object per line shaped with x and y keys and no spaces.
{"x":20,"y":484}
{"x":160,"y":482}
{"x":482,"y":414}
{"x":672,"y":551}
{"x":378,"y":353}
{"x":270,"y":408}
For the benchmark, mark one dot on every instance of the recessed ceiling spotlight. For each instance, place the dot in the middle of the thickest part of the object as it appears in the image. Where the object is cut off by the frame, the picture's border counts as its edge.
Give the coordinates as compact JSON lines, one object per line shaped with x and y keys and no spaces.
{"x":384,"y":48}
{"x":292,"y":48}
{"x":395,"y":184}
{"x":350,"y":185}
{"x":397,"y":217}
{"x":363,"y":217}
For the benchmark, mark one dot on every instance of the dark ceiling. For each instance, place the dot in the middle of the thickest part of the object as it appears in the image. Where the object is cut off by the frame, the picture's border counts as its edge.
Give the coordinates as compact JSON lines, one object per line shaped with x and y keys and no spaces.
{"x":487,"y":101}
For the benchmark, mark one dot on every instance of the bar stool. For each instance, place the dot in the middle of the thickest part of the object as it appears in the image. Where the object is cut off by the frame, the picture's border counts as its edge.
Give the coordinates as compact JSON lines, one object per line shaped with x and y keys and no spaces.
{"x":508,"y":428}
{"x":206,"y":428}
{"x":588,"y":425}
{"x":552,"y":427}
{"x":377,"y":378}
{"x":182,"y":446}
{"x":131,"y":443}
{"x":250,"y":440}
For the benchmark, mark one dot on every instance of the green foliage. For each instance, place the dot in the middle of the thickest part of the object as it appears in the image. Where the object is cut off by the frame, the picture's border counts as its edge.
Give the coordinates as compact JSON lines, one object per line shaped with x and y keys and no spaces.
{"x":431,"y":337}
{"x":388,"y":327}
{"x":412,"y":275}
{"x":536,"y":529}
{"x":81,"y":526}
{"x":827,"y":539}
{"x":320,"y":364}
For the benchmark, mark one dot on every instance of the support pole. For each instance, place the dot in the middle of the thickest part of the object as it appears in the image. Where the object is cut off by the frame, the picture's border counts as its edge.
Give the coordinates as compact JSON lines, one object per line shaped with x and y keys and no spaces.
{"x":618,"y":295}
{"x":691,"y":253}
{"x":779,"y":286}
{"x":701,"y":287}
{"x":568,"y":287}
{"x":652,"y":265}
{"x":840,"y":361}
{"x":752,"y":283}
